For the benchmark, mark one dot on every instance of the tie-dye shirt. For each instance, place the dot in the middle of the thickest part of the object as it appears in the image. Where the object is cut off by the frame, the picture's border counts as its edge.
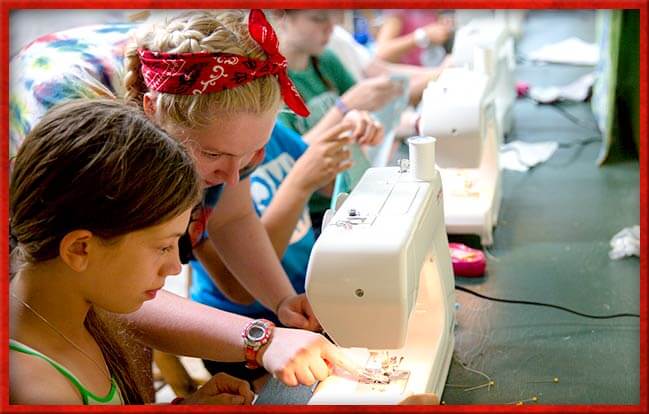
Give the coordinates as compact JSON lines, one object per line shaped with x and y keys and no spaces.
{"x":80,"y":62}
{"x":83,"y":62}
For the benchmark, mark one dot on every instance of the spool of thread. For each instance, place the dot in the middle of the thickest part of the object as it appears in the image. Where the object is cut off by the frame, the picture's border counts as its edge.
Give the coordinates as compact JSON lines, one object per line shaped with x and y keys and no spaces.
{"x":422,"y":157}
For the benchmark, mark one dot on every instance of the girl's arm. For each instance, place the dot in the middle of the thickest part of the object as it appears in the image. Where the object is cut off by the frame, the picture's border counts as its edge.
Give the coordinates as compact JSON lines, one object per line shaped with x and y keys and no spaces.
{"x":179,"y":326}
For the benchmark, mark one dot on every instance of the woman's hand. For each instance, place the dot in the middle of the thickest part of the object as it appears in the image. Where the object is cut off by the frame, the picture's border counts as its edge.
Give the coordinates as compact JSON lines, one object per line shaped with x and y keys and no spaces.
{"x":372,"y":94}
{"x":295,"y":311}
{"x":222,"y":389}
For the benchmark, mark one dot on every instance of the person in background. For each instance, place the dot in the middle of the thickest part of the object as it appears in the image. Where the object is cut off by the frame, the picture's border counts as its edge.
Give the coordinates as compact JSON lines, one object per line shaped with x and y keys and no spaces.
{"x":414,"y":37}
{"x":330,"y":92}
{"x":361,"y":64}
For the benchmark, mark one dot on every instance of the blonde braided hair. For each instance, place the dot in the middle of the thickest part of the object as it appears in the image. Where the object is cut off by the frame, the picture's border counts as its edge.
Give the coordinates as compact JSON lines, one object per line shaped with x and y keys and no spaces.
{"x":225,"y":31}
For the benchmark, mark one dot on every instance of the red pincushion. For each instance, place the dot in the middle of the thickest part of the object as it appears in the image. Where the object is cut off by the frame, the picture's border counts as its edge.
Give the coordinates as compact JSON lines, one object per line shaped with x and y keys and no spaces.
{"x":467,"y":262}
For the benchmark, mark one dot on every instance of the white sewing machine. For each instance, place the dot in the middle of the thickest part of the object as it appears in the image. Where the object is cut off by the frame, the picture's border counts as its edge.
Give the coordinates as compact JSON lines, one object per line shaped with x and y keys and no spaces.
{"x":460,"y":112}
{"x":468,"y":109}
{"x":380,"y":280}
{"x":486,"y":45}
{"x":512,"y":19}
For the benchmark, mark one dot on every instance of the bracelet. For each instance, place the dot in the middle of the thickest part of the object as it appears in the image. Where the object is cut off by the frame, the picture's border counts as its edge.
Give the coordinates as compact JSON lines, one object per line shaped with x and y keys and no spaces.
{"x":177,"y":400}
{"x":341,"y":106}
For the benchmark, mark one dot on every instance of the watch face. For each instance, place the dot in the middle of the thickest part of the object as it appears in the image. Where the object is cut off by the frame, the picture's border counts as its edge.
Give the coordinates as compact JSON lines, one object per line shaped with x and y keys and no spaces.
{"x":255,"y":333}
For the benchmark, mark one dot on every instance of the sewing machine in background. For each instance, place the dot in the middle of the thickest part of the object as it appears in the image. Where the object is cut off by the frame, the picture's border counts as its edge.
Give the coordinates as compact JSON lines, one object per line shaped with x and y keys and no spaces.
{"x":468,"y":109}
{"x":380,"y":280}
{"x":486,"y":45}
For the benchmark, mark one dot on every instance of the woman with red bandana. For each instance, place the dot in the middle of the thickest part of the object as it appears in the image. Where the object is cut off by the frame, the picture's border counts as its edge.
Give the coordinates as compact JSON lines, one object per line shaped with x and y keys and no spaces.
{"x":215,"y":82}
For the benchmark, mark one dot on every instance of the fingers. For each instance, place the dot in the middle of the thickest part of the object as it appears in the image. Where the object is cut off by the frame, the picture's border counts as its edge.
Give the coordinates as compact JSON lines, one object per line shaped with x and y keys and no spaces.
{"x":227,"y":399}
{"x":287,"y":376}
{"x":245,"y":391}
{"x":227,"y":383}
{"x":312,"y":322}
{"x":373,"y":134}
{"x":333,"y":354}
{"x":293,"y":319}
{"x":337,"y":132}
{"x":223,"y":389}
{"x":304,"y":375}
{"x":343,"y":166}
{"x":365,"y":129}
{"x":320,"y":369}
{"x":308,"y":369}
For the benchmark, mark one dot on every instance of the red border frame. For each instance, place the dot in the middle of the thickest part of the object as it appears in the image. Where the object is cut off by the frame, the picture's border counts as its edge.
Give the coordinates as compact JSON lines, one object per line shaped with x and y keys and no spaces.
{"x":7,"y":5}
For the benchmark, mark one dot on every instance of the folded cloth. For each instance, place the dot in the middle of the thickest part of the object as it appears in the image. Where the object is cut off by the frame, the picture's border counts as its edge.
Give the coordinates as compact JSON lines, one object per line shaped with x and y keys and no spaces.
{"x":571,"y":51}
{"x":576,"y":91}
{"x":521,"y":156}
{"x":625,"y":243}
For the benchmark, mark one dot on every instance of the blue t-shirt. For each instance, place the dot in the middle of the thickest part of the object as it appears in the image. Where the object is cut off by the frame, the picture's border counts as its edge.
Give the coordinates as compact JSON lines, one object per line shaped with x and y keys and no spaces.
{"x":283,"y":148}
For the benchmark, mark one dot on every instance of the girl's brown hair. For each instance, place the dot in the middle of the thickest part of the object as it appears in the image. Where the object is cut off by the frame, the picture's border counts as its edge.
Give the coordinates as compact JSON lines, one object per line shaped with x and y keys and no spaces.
{"x":102,"y":166}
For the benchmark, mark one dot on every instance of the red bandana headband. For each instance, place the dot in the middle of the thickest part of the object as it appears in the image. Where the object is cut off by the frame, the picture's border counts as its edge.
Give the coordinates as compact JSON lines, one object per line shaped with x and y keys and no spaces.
{"x":199,"y":73}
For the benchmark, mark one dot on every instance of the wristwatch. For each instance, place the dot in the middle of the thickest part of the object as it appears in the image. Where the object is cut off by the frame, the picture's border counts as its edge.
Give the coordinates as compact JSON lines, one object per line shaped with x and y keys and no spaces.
{"x":421,"y":38}
{"x":256,"y":334}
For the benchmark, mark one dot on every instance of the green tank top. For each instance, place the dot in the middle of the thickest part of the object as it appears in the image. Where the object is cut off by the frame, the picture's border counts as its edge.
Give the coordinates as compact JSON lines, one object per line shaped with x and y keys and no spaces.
{"x":114,"y":396}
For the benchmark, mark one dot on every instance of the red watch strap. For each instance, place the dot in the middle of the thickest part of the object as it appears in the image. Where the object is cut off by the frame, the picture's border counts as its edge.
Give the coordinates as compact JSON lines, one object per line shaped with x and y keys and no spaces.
{"x":251,"y":358}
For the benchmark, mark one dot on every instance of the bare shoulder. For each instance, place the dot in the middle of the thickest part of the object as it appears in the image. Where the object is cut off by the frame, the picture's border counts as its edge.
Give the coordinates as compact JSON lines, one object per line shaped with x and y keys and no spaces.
{"x":33,"y":380}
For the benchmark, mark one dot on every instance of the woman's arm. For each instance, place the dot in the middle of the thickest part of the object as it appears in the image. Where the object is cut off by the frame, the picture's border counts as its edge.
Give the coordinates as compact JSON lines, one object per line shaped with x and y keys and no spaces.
{"x":389,"y":45}
{"x":224,"y":280}
{"x":241,"y":241}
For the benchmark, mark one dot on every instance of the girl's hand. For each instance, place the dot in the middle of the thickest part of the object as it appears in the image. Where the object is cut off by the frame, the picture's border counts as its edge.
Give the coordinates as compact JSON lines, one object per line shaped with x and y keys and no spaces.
{"x":296,"y":356}
{"x":326,"y":156}
{"x":222,"y":389}
{"x":366,"y":131}
{"x":372,"y":94}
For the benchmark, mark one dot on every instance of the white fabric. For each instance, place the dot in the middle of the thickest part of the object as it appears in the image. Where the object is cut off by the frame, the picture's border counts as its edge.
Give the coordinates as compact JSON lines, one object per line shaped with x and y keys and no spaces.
{"x":520,"y":156}
{"x":576,"y":91}
{"x":625,"y":243}
{"x":569,"y":51}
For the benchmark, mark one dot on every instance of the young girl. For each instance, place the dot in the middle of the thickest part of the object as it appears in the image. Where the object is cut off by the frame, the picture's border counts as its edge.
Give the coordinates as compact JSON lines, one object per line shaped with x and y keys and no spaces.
{"x":99,"y":197}
{"x":330,"y":92}
{"x":224,"y":119}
